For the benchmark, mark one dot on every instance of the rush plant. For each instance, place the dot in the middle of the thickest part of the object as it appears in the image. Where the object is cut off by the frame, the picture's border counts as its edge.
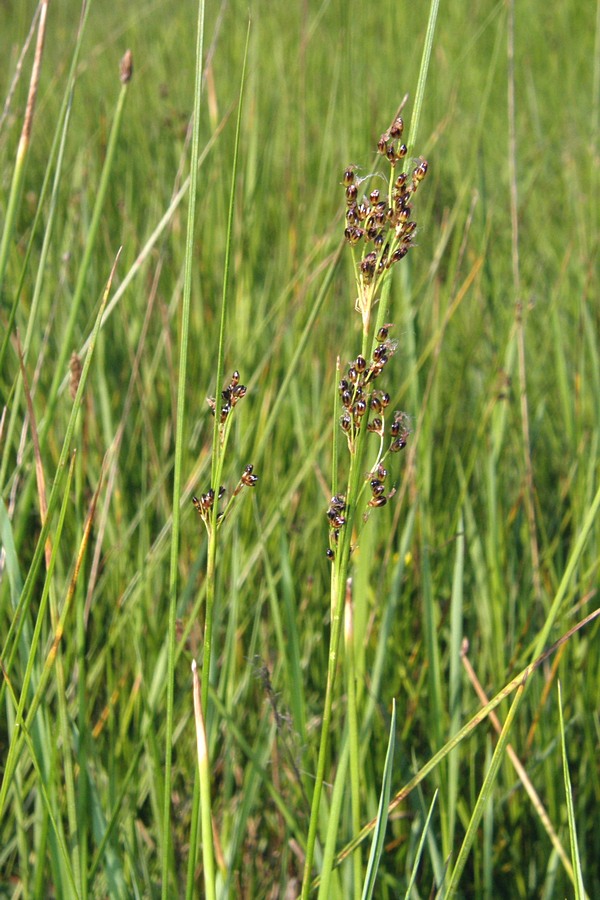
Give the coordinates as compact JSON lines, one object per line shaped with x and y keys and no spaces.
{"x":379,"y":229}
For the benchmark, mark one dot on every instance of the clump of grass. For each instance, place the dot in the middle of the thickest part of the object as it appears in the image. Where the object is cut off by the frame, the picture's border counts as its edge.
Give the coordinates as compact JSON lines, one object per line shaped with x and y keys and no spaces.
{"x":380,"y":228}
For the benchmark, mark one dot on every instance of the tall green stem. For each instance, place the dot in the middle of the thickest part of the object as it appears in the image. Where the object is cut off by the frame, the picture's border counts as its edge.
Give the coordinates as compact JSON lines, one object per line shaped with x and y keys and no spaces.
{"x":179,"y":447}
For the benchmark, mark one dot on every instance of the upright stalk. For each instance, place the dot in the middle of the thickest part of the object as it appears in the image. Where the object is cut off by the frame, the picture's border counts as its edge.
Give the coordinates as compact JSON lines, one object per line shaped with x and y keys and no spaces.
{"x":179,"y":446}
{"x":379,"y":224}
{"x":16,"y":187}
{"x":213,"y":515}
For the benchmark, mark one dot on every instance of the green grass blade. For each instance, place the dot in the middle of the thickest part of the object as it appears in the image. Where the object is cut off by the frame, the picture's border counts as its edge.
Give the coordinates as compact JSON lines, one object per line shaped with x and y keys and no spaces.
{"x":166,"y":857}
{"x":580,"y":893}
{"x":382,"y":814}
{"x":423,"y":72}
{"x":56,"y":152}
{"x":16,"y":187}
{"x":84,"y":264}
{"x":451,"y":889}
{"x":454,"y":686}
{"x":18,"y":619}
{"x":420,"y":848}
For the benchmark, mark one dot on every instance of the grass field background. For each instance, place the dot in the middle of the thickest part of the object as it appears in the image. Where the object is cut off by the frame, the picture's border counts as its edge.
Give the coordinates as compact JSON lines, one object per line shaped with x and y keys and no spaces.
{"x":498,"y":365}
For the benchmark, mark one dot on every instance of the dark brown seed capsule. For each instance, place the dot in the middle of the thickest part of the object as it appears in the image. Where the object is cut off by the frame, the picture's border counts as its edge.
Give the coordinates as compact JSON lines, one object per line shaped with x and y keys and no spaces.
{"x":397,"y":128}
{"x":380,"y":353}
{"x":247,"y":477}
{"x":382,"y":146}
{"x":382,"y":334}
{"x":345,"y":423}
{"x":376,"y":404}
{"x":360,"y":408}
{"x":367,"y":265}
{"x":360,"y":364}
{"x":235,"y":378}
{"x":353,"y":234}
{"x":351,"y":193}
{"x":378,"y":501}
{"x":374,"y":196}
{"x":349,"y":176}
{"x":374,"y":372}
{"x":375,"y":425}
{"x":399,"y":253}
{"x":330,"y":554}
{"x":421,"y":171}
{"x":385,"y":399}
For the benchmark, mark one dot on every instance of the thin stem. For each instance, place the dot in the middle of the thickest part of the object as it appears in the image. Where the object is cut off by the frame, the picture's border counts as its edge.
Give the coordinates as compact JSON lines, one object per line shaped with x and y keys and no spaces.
{"x":204,"y":774}
{"x":520,"y":307}
{"x":24,"y":142}
{"x":84,"y":266}
{"x":178,"y":462}
{"x":338,"y":590}
{"x":221,"y":432}
{"x":353,"y":736}
{"x":219,"y":438}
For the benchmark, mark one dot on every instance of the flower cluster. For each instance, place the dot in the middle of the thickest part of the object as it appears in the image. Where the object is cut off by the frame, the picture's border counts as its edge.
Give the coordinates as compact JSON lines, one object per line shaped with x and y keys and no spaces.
{"x":356,"y":389}
{"x":205,"y":503}
{"x":382,"y":227}
{"x":230,"y":396}
{"x":337,"y":520}
{"x":377,"y":486}
{"x":382,"y":221}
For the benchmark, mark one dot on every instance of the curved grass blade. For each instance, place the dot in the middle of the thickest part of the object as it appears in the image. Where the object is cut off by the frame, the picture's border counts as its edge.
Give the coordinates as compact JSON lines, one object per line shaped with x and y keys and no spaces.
{"x":382,"y":813}
{"x":413,"y":874}
{"x":576,"y":861}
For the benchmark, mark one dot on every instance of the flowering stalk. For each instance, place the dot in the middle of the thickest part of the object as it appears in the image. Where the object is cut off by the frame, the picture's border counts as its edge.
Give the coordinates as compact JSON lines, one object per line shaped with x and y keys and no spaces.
{"x":379,"y":225}
{"x":208,"y":507}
